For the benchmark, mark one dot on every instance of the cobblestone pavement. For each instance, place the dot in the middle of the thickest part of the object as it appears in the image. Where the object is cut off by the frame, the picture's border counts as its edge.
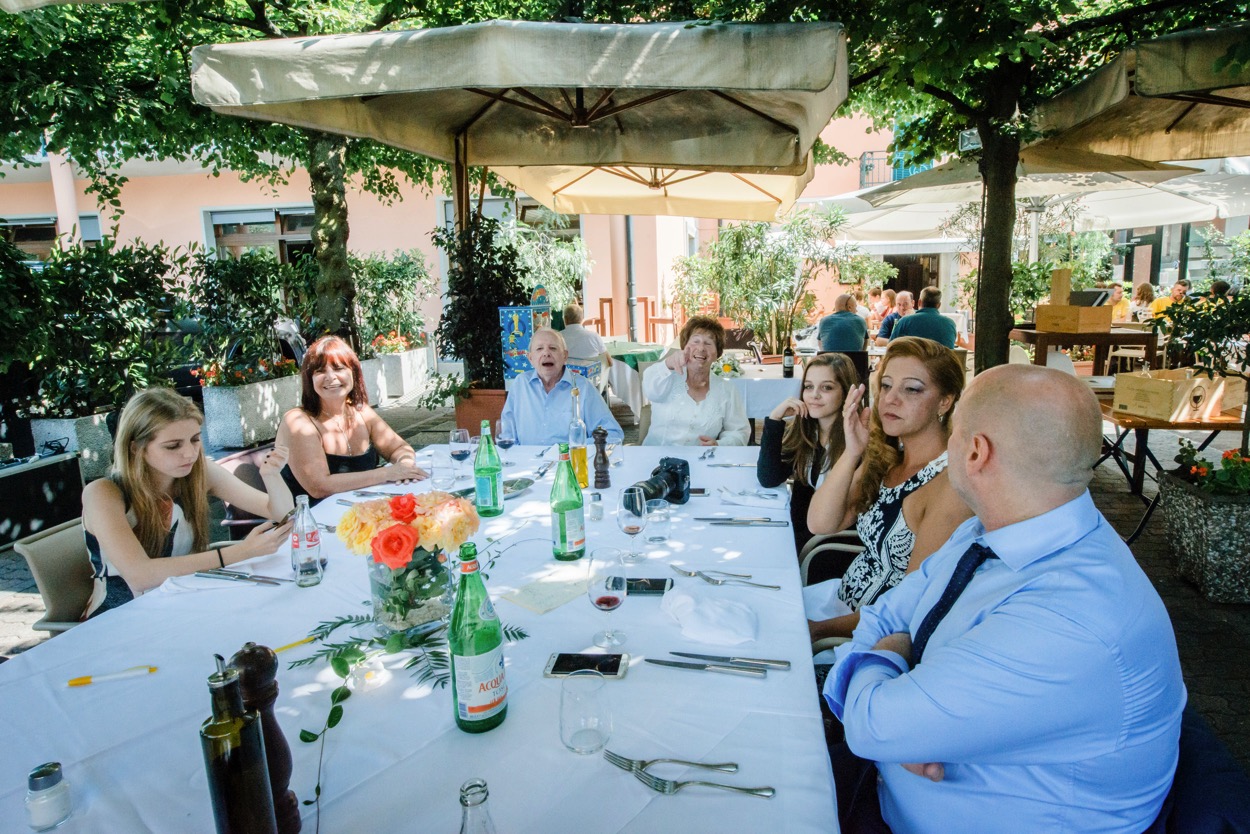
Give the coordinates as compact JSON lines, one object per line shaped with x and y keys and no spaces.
{"x":1214,"y":639}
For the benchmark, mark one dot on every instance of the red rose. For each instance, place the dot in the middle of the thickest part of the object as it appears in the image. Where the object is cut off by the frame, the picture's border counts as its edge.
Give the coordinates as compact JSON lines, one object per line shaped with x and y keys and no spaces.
{"x":404,"y":507}
{"x":393,"y":546}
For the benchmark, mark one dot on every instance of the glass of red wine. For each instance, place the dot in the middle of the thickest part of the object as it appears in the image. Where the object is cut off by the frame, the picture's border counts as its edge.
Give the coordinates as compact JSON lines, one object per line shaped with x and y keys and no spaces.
{"x":631,"y":517}
{"x":606,"y":590}
{"x":505,"y":439}
{"x":458,"y":439}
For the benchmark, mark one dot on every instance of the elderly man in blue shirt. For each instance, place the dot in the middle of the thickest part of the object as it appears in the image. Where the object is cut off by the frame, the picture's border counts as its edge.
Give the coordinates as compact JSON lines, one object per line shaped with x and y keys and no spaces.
{"x":540,"y":402}
{"x":1025,"y":677}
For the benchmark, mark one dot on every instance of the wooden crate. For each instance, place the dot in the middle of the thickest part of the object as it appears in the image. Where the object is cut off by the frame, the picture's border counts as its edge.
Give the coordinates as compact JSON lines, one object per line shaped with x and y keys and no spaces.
{"x":1176,"y":395}
{"x":1063,"y":318}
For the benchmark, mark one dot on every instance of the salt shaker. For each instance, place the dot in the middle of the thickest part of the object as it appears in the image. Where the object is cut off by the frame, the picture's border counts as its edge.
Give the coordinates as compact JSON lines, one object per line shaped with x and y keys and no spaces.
{"x":595,"y":511}
{"x":48,"y":801}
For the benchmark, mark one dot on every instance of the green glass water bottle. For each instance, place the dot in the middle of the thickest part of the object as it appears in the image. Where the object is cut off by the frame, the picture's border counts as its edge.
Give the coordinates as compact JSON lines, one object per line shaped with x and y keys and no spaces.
{"x":476,"y":642}
{"x":488,"y":476}
{"x":568,"y":520}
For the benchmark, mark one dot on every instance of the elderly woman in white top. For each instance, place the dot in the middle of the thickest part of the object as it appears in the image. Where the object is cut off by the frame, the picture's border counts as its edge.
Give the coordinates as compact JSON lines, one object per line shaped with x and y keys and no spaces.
{"x":689,"y":405}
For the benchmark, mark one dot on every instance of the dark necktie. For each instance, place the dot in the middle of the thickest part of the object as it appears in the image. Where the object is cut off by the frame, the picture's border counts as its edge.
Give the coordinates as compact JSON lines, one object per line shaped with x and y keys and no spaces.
{"x":968,"y":564}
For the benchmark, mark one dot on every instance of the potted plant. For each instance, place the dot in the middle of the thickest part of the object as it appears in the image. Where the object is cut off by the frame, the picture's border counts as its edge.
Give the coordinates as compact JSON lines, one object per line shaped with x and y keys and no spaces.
{"x":99,"y":312}
{"x":248,"y":380}
{"x":483,"y":274}
{"x":389,"y":295}
{"x":1206,"y":505}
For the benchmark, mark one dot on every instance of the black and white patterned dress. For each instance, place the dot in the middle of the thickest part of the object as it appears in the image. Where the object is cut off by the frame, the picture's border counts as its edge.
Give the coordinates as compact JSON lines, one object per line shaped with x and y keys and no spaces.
{"x":888,"y":541}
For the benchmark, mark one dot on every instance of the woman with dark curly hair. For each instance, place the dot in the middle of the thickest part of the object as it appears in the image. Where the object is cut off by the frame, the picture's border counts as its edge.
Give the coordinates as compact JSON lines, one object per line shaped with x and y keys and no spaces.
{"x":336,"y":440}
{"x":890,"y":481}
{"x":803,"y":436}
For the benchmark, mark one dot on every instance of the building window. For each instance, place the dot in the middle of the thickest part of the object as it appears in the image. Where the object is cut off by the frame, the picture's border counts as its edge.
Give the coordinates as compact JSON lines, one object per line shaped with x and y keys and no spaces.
{"x":36,"y":236}
{"x":286,"y":234}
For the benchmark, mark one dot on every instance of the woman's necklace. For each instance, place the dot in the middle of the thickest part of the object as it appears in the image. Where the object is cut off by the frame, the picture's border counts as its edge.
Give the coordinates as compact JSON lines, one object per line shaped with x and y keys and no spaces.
{"x":344,"y":428}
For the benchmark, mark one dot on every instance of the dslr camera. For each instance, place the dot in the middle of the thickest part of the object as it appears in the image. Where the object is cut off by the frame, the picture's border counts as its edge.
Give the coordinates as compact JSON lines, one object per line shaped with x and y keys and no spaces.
{"x":670,"y":481}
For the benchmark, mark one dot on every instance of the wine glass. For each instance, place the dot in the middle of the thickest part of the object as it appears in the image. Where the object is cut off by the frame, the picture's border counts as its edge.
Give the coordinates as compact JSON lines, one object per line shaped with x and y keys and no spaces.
{"x":631,"y":517}
{"x":458,"y":439}
{"x":606,"y":592}
{"x":505,"y":439}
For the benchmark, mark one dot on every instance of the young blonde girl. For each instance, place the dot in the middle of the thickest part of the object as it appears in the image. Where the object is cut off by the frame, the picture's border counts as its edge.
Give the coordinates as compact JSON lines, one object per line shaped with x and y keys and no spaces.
{"x":154,"y":504}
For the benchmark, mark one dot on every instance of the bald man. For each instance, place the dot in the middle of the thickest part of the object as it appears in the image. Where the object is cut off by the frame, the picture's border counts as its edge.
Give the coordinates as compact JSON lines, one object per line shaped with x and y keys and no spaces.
{"x":904,"y":305}
{"x":1025,"y":677}
{"x":843,"y":329}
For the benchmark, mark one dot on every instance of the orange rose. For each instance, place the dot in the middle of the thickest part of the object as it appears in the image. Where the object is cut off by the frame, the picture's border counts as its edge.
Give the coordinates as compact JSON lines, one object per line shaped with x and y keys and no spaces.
{"x":404,"y":507}
{"x":393,"y":546}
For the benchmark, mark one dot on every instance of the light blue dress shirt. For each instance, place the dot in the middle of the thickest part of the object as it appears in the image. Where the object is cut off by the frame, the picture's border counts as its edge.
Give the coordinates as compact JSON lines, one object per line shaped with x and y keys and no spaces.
{"x":539,"y":417}
{"x":1051,"y":692}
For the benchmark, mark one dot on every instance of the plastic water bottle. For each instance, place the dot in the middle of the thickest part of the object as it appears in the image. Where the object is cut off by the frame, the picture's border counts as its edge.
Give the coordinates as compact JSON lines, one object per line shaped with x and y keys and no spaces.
{"x":306,"y":559}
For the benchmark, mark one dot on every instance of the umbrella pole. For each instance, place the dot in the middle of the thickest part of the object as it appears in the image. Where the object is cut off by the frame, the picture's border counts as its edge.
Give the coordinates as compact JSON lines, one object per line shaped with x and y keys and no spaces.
{"x":460,"y":182}
{"x":630,"y":287}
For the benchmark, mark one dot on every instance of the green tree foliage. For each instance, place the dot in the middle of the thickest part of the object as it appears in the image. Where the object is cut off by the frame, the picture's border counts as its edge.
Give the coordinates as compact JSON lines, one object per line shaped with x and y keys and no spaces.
{"x":390,"y":291}
{"x":560,"y":264}
{"x":484,"y":273}
{"x":760,"y":275}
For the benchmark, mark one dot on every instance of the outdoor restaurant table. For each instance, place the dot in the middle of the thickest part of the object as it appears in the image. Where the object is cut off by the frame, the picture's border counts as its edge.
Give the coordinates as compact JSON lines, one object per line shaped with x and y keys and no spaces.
{"x":1102,"y":342}
{"x":131,"y":751}
{"x":1140,"y":427}
{"x":763,"y":386}
{"x":623,"y":373}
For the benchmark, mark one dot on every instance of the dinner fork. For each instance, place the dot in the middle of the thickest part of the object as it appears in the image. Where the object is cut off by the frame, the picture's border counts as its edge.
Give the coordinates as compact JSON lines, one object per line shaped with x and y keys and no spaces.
{"x":709,"y":454}
{"x":712,"y":580}
{"x":329,"y":528}
{"x":745,"y":492}
{"x":700,"y":573}
{"x":668,"y":786}
{"x":637,"y":765}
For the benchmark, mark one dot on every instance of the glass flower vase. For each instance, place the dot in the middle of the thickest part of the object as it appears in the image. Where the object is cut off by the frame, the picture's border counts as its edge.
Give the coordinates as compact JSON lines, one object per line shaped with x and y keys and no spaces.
{"x":415,"y":598}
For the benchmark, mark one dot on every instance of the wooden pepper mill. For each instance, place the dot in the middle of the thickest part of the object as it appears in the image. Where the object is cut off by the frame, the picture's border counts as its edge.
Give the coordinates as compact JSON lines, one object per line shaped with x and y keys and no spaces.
{"x":258,"y":680}
{"x":602,"y":479}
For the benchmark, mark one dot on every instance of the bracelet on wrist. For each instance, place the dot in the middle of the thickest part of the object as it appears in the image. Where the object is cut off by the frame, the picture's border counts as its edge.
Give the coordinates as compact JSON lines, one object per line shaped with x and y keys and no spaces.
{"x":220,"y":560}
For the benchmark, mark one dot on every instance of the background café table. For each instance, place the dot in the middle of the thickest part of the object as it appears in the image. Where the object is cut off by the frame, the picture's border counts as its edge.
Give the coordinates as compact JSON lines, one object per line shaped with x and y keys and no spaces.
{"x":131,"y":751}
{"x":1102,"y":342}
{"x":623,"y":374}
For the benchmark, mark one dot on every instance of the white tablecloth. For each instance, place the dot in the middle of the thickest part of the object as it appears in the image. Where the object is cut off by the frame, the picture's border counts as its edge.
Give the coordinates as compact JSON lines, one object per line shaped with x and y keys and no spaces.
{"x":626,"y":384}
{"x":131,"y":750}
{"x":763,"y":386}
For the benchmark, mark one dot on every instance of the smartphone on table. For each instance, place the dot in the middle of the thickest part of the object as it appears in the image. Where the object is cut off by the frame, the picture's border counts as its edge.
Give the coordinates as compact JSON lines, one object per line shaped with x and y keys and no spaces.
{"x":648,"y":587}
{"x":563,"y":664}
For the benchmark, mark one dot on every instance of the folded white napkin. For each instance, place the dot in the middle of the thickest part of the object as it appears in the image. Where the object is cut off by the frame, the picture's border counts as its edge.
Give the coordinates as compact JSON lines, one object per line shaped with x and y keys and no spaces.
{"x":704,"y":619}
{"x":780,"y":501}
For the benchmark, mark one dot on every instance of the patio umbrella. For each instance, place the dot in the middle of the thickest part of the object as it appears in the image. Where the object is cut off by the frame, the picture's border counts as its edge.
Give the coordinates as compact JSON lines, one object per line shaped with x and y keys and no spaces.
{"x":652,"y":190}
{"x":1220,"y":188}
{"x":1162,"y":99}
{"x":748,"y":97}
{"x":1041,"y":172}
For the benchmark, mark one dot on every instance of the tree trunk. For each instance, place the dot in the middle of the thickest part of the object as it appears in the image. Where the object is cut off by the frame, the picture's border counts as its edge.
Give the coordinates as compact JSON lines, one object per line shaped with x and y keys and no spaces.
{"x":336,"y":291}
{"x":999,"y":156}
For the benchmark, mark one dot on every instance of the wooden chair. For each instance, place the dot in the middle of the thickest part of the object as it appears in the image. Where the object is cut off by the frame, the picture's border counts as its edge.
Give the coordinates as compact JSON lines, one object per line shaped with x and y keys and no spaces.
{"x":605,"y":317}
{"x":61,"y":567}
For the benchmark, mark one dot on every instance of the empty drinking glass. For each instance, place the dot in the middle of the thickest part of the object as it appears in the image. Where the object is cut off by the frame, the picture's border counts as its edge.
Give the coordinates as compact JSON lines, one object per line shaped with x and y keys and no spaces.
{"x":442,"y":471}
{"x":585,"y":720}
{"x":659,"y":520}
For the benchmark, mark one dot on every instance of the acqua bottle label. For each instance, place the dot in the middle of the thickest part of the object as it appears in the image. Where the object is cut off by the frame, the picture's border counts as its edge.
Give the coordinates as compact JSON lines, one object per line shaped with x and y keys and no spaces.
{"x":481,"y":689}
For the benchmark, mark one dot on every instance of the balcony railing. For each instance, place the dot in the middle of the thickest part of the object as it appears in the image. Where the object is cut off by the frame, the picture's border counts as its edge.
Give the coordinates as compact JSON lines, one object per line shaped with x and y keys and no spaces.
{"x":880,"y":167}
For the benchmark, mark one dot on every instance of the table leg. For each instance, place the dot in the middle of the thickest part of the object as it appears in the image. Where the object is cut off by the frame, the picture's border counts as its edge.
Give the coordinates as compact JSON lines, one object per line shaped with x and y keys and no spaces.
{"x":1141,"y":449}
{"x":1040,"y":347}
{"x":1100,"y":359}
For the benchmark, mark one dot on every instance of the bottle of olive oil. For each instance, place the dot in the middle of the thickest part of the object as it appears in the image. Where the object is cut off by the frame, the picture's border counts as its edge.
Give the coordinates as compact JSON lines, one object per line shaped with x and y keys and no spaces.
{"x":234,"y":756}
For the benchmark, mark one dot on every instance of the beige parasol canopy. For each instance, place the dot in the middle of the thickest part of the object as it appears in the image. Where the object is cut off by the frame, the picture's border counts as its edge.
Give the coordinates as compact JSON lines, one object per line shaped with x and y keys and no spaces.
{"x":650,"y":190}
{"x":1162,"y":99}
{"x":1041,"y":172}
{"x":753,"y":97}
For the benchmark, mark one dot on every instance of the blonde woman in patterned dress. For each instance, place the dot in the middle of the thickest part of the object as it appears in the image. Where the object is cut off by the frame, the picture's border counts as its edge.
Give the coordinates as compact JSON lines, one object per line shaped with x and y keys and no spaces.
{"x":890,"y":482}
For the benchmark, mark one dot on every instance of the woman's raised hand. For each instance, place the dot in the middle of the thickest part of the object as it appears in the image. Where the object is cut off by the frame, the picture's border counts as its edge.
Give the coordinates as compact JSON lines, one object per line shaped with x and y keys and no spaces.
{"x":677,"y":359}
{"x":789,"y":407}
{"x":855,"y":421}
{"x":274,"y":461}
{"x":264,"y":539}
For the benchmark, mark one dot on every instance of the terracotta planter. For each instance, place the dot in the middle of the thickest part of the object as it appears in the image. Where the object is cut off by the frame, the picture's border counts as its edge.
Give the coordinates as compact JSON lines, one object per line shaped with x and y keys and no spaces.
{"x":478,"y":405}
{"x":245,"y":415}
{"x":375,"y":379}
{"x":89,"y":436}
{"x":407,"y":372}
{"x":1209,"y":537}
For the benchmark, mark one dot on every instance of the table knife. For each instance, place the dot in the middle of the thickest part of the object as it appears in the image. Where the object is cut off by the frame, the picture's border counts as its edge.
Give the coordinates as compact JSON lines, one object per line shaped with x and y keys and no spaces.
{"x":250,"y":575}
{"x":728,"y":518}
{"x":746,"y":661}
{"x":734,"y":465}
{"x":742,"y":523}
{"x":748,"y":671}
{"x":231,"y":577}
{"x":369,"y":493}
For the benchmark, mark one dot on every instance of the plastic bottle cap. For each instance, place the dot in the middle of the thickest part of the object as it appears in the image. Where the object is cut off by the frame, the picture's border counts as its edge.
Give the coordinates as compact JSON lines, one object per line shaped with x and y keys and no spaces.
{"x":47,"y":775}
{"x":594,"y":496}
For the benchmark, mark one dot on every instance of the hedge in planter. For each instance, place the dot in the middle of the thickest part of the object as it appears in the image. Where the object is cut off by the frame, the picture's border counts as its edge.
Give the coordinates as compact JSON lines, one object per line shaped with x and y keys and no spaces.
{"x":1209,"y":537}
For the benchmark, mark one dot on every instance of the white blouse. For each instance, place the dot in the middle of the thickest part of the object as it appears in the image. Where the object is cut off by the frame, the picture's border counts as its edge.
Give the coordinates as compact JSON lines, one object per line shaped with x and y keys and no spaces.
{"x":679,"y":420}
